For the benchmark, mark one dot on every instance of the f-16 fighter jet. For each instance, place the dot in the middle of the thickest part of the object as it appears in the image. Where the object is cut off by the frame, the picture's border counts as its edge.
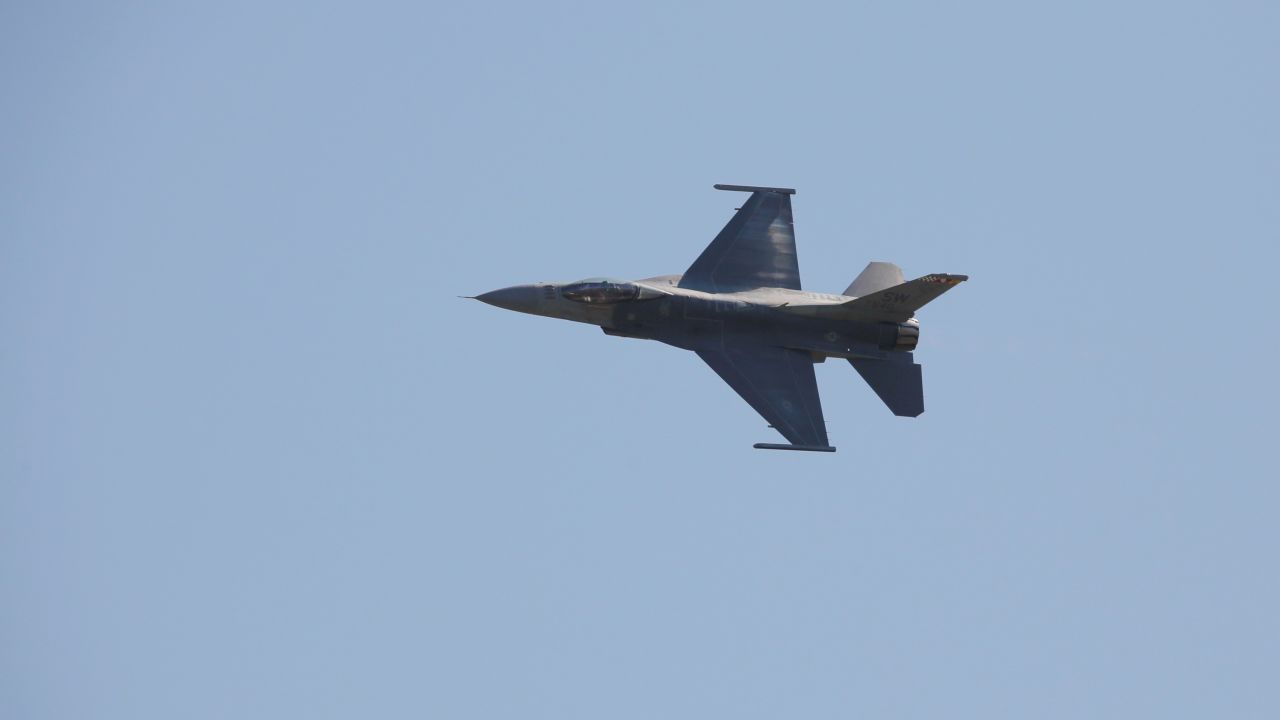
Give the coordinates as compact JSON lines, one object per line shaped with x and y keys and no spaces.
{"x":740,"y":307}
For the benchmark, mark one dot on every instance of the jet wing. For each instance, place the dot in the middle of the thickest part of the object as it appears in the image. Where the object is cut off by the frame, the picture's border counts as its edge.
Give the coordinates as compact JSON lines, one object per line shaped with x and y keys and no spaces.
{"x":757,"y":248}
{"x":780,"y":385}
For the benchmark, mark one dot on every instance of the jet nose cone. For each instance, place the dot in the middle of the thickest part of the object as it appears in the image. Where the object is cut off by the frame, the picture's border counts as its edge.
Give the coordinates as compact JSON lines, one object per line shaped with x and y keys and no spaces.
{"x":521,"y":298}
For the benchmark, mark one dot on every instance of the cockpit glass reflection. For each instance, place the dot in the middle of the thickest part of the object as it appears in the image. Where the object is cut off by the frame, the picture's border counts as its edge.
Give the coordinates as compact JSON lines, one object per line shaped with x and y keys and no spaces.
{"x":600,"y":292}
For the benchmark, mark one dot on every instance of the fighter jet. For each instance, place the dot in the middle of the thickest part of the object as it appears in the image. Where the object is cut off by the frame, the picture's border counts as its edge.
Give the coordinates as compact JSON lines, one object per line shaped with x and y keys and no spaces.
{"x":740,"y":307}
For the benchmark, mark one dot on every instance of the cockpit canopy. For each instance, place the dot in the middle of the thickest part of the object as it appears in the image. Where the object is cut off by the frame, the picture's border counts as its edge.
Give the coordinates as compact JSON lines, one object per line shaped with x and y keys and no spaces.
{"x":603,"y":291}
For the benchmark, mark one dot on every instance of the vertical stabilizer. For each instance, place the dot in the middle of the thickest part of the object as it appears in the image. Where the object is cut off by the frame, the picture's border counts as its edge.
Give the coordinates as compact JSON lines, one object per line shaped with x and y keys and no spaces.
{"x":876,"y":276}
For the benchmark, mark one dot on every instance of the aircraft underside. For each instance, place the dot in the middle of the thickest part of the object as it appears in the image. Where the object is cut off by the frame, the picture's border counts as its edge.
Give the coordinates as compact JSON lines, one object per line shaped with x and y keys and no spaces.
{"x":740,"y":307}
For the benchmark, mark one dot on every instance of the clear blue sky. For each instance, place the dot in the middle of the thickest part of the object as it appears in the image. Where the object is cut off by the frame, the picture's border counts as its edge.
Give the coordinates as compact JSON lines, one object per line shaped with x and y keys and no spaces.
{"x":258,"y":461}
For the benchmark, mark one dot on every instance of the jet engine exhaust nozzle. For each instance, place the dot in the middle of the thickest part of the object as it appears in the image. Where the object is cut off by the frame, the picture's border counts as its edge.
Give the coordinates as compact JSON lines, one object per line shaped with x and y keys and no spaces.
{"x":900,"y":337}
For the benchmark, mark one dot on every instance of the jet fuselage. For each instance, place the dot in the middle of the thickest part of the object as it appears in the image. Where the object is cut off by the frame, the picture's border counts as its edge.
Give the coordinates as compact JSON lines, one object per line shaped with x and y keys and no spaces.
{"x":656,"y":309}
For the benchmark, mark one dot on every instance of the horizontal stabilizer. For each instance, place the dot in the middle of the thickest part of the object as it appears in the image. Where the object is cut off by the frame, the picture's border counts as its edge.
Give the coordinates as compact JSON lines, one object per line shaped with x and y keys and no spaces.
{"x":899,"y":384}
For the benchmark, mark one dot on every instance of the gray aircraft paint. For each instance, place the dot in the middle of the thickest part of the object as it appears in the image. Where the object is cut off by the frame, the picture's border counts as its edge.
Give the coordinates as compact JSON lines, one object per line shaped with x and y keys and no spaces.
{"x":741,"y":308}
